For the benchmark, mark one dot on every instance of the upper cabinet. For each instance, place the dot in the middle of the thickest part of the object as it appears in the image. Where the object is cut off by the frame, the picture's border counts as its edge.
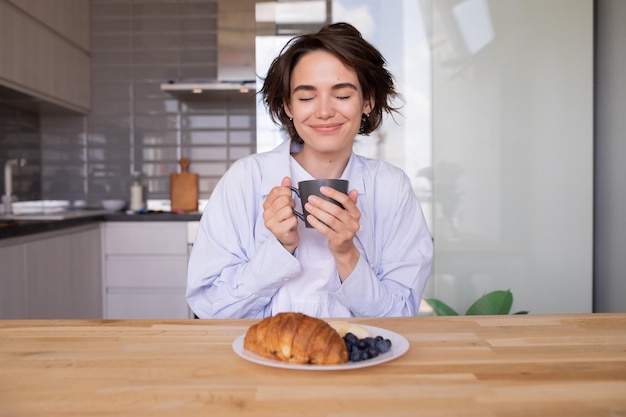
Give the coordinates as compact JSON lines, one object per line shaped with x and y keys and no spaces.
{"x":45,"y":51}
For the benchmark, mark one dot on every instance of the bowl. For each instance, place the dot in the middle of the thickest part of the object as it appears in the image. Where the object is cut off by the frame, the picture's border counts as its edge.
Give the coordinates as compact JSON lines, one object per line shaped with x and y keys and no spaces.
{"x":113,"y":205}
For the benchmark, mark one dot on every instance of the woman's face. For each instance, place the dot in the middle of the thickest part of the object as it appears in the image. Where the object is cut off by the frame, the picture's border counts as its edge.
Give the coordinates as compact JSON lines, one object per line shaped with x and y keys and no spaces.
{"x":326,"y":103}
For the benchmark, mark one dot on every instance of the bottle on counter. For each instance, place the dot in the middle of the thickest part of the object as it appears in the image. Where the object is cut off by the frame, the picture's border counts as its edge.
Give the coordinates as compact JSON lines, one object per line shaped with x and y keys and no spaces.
{"x":137,"y":200}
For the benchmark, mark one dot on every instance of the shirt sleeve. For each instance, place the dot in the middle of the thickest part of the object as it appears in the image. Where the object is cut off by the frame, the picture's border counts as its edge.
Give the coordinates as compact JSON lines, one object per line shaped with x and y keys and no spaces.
{"x":236,"y":266}
{"x":396,"y":254}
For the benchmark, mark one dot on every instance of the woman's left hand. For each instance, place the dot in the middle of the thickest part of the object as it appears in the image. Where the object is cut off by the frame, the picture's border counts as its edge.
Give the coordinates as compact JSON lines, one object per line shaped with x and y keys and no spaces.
{"x":338,"y":225}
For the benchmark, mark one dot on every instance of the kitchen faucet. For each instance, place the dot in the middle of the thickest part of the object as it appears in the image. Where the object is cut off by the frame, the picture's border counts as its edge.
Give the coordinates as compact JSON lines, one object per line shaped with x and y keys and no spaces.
{"x":8,"y":183}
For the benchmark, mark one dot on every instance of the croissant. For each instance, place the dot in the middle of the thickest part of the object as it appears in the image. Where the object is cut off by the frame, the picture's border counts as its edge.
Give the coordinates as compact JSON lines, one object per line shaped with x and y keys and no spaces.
{"x":296,"y":338}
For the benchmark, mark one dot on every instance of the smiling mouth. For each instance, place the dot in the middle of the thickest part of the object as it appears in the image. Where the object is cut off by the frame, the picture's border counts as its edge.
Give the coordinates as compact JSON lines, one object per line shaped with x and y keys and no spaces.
{"x":327,"y":128}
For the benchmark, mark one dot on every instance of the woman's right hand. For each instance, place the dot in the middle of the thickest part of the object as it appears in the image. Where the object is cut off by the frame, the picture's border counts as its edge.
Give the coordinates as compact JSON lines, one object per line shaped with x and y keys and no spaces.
{"x":278,"y":215}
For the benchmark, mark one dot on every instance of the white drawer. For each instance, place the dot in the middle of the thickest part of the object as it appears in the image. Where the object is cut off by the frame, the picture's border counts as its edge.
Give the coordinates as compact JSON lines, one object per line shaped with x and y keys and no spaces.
{"x":153,"y":238}
{"x":146,"y":271}
{"x":157,"y":304}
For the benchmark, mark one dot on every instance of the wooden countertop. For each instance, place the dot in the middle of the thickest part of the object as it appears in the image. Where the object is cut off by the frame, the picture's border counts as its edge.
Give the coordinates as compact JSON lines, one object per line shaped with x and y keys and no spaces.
{"x":552,"y":365}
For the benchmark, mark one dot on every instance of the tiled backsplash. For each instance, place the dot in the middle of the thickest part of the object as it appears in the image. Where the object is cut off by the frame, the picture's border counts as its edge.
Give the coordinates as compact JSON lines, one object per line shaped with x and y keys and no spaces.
{"x":19,"y":138}
{"x":133,"y":125}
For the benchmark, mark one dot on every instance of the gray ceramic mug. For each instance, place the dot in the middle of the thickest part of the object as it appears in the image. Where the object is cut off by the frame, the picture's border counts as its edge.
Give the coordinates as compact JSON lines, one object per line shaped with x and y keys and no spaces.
{"x":312,"y":187}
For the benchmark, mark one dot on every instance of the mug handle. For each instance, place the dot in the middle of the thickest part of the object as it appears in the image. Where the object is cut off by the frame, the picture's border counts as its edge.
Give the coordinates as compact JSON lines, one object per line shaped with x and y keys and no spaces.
{"x":298,"y":215}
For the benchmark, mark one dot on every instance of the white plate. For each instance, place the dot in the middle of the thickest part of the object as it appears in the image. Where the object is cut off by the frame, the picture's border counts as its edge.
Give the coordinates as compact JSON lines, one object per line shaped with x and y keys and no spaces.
{"x":399,"y":346}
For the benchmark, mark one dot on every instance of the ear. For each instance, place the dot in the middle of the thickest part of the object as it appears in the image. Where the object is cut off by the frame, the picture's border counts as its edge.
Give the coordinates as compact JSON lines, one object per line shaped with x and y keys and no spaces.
{"x":287,"y":109}
{"x":368,"y":106}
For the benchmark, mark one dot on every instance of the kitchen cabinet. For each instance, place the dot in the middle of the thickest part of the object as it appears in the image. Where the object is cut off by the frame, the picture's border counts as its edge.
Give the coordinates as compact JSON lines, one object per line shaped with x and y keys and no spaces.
{"x":52,"y":275}
{"x":45,"y":50}
{"x":145,"y":269}
{"x":13,"y":300}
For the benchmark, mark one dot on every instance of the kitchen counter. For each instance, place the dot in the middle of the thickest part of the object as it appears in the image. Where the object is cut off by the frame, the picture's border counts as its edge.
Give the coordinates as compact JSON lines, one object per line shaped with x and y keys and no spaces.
{"x":518,"y":365}
{"x":22,"y":225}
{"x":153,"y":217}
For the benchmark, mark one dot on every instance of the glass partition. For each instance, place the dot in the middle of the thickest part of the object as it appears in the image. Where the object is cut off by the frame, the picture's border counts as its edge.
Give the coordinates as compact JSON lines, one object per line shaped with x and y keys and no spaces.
{"x":513,"y":147}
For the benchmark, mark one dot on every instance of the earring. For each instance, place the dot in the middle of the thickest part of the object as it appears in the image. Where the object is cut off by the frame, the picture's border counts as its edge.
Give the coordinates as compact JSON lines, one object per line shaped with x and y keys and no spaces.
{"x":364,"y":118}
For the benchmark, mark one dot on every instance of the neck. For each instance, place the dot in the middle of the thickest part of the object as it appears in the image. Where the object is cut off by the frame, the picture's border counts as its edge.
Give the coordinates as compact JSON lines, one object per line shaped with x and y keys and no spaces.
{"x":323,"y":165}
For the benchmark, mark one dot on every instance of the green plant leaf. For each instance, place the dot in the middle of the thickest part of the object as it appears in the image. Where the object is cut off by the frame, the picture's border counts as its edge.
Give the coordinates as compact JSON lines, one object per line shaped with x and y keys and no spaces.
{"x":440,"y":308}
{"x":495,"y":302}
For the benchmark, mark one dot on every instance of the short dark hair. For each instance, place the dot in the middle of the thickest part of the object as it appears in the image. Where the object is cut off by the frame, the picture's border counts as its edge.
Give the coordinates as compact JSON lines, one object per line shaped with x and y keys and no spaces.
{"x":346,"y":43}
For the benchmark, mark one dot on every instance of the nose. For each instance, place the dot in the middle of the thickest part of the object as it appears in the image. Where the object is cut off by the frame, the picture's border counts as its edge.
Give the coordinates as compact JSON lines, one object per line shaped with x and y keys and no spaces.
{"x":325,"y":108}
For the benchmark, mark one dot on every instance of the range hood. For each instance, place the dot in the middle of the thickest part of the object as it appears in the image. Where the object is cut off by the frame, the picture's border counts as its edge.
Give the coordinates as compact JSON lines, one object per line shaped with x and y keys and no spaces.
{"x":198,"y":87}
{"x":236,"y":31}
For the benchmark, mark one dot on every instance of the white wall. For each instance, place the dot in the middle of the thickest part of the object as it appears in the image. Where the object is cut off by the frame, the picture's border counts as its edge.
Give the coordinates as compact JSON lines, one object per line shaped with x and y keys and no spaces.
{"x":610,"y":155}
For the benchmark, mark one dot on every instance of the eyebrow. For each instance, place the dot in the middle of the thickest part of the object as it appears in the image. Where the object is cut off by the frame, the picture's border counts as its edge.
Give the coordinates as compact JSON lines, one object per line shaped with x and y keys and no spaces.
{"x":339,"y":86}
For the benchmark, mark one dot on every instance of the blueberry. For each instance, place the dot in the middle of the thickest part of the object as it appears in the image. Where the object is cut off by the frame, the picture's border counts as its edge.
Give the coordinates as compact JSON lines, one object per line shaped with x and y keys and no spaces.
{"x":362,"y":344}
{"x":383,"y":345}
{"x":372,"y":352}
{"x":350,"y":338}
{"x":355,"y":356}
{"x":366,"y":348}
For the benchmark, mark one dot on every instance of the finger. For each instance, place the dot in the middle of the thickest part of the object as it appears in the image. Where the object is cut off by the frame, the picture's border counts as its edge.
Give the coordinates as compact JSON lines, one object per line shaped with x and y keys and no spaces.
{"x":284,"y":220}
{"x":281,"y":221}
{"x":286,"y":182}
{"x":354,"y":195}
{"x":345,"y":214}
{"x":281,"y":204}
{"x":339,"y":235}
{"x":343,"y":199}
{"x":332,"y":216}
{"x":321,"y":208}
{"x":277,"y":193}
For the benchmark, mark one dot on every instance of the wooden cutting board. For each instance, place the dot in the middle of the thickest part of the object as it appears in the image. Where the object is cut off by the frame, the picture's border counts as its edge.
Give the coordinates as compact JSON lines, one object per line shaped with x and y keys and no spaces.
{"x":184,"y":188}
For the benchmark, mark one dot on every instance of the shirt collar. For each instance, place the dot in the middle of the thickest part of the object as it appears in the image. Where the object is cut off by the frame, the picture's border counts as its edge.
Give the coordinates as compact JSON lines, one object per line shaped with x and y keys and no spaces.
{"x":354,"y":174}
{"x":274,"y":166}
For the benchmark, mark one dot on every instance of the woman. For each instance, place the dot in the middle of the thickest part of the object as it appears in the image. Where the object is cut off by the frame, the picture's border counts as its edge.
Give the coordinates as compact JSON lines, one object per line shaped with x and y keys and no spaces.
{"x":254,"y":258}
